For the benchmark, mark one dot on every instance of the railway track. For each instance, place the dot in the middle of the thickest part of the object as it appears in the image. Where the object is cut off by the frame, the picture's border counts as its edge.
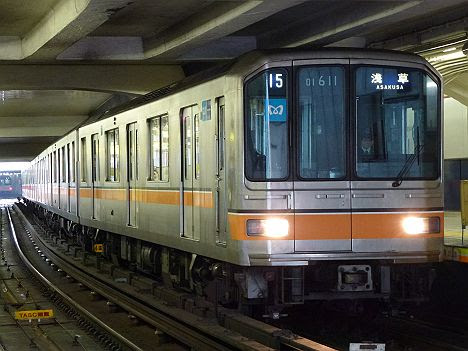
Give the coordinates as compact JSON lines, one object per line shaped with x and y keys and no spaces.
{"x":149,"y":316}
{"x":19,"y":292}
{"x":424,"y":335}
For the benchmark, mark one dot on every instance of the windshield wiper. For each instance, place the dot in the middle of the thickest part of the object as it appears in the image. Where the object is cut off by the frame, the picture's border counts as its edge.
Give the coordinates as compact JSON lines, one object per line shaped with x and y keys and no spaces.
{"x":407,"y":166}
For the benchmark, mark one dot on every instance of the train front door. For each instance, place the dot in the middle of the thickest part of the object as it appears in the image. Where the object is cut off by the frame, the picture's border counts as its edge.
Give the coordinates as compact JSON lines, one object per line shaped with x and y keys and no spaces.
{"x":220,"y":203}
{"x":95,"y":174}
{"x":132,"y":173}
{"x":191,"y":196}
{"x":322,"y":195}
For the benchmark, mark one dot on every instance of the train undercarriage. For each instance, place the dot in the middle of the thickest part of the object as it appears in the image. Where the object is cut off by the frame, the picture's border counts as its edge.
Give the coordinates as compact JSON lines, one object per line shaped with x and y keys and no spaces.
{"x":264,"y":290}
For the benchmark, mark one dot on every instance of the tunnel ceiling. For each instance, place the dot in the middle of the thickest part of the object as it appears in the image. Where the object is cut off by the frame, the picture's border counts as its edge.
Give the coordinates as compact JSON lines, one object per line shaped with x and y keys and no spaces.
{"x":63,"y":62}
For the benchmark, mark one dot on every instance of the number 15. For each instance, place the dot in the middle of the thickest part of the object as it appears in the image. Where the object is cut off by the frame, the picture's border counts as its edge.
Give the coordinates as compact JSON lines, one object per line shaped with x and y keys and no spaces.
{"x":277,"y":80}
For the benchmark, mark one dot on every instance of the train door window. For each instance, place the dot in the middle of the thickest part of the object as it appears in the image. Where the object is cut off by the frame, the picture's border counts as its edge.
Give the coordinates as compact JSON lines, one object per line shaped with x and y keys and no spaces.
{"x":196,"y":145}
{"x":321,"y":126}
{"x":112,"y":155}
{"x":55,"y":167}
{"x":159,"y":146}
{"x":94,"y":158}
{"x":221,"y":134}
{"x":69,"y":163}
{"x":64,"y":165}
{"x":72,"y":163}
{"x":188,"y":147}
{"x":83,"y":161}
{"x":49,"y":171}
{"x":155,"y":148}
{"x":267,"y":126}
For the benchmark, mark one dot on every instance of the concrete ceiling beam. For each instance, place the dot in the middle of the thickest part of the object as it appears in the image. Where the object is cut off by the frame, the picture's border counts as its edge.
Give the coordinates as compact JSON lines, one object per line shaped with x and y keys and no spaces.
{"x":343,"y":21}
{"x":135,"y":79}
{"x":37,"y":126}
{"x":220,"y":20}
{"x":425,"y":37}
{"x":457,"y":89}
{"x":67,"y":22}
{"x":334,"y":24}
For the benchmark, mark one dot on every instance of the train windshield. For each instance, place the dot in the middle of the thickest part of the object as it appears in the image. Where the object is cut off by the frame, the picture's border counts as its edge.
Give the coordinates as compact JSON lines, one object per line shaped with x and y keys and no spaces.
{"x":397,"y":127}
{"x":266,"y":126}
{"x":321,"y":122}
{"x":5,"y":180}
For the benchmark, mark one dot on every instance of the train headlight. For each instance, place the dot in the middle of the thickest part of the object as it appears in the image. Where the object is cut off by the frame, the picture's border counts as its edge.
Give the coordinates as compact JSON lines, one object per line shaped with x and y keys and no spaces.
{"x":272,"y":227}
{"x":420,"y":225}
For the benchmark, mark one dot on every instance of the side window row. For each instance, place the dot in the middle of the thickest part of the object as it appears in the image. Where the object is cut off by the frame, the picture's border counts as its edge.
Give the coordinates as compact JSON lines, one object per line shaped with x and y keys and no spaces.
{"x":61,"y":164}
{"x":158,"y":152}
{"x":62,"y":161}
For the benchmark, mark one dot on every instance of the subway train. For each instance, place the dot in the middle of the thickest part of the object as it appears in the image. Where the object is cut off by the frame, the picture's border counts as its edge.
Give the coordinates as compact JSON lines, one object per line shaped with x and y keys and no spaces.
{"x":10,"y":184}
{"x":282,"y":176}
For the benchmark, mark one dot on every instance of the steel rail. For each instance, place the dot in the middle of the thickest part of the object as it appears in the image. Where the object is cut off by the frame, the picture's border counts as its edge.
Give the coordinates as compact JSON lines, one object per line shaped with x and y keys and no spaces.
{"x":81,"y":309}
{"x":183,"y":331}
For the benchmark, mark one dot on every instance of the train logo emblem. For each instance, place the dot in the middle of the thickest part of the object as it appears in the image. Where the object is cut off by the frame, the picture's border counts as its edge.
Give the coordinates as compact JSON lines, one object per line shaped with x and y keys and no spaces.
{"x":276,"y":111}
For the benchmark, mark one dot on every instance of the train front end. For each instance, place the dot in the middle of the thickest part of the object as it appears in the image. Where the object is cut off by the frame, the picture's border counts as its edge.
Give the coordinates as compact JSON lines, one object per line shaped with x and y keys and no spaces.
{"x":342,"y":185}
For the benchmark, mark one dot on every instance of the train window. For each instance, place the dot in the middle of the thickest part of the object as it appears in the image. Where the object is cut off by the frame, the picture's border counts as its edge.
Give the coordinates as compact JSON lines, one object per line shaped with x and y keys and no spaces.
{"x":159,"y":148}
{"x":196,"y":144}
{"x":321,"y":125}
{"x":84,"y":165}
{"x":5,"y":180}
{"x":72,"y":162}
{"x":55,"y":167}
{"x":69,"y":163}
{"x":397,"y":123}
{"x":266,"y":126}
{"x":188,"y":146}
{"x":112,"y":155}
{"x":94,"y":157}
{"x":63,"y":165}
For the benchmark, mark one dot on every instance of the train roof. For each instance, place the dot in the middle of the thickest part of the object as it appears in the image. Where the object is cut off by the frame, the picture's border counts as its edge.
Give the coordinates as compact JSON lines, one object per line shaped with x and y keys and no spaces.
{"x":254,"y":59}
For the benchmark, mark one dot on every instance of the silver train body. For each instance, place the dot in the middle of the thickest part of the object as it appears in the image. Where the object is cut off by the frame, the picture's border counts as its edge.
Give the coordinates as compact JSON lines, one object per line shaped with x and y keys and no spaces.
{"x":289,"y":167}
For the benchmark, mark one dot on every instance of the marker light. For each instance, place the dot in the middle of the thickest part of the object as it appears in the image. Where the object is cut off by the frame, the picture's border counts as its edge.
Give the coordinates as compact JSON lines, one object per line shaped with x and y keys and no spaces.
{"x":272,"y":227}
{"x":419,"y":225}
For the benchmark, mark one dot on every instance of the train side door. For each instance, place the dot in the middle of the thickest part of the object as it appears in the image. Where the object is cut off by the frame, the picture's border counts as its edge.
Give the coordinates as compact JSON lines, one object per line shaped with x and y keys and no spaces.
{"x":59,"y":178}
{"x":95,"y":174}
{"x":50,"y":180}
{"x":132,"y":173}
{"x":190,"y":194}
{"x":322,"y":189}
{"x":68,"y":178}
{"x":220,"y":200}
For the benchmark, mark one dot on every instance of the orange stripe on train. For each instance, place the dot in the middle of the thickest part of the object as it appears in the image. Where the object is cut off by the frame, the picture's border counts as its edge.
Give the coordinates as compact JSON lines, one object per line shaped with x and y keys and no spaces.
{"x":202,"y":199}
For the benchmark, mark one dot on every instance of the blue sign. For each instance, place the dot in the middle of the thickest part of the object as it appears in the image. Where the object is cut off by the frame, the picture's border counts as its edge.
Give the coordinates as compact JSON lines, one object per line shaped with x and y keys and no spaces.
{"x":206,"y":110}
{"x":276,"y":110}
